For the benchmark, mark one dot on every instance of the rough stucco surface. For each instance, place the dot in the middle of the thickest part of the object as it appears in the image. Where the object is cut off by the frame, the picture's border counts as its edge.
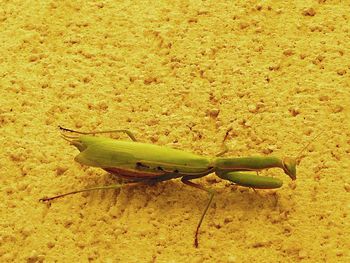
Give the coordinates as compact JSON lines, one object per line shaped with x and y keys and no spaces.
{"x":176,"y":73}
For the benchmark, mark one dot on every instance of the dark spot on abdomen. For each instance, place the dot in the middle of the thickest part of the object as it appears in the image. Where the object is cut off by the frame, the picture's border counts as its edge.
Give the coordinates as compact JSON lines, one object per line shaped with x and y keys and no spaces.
{"x":141,"y":165}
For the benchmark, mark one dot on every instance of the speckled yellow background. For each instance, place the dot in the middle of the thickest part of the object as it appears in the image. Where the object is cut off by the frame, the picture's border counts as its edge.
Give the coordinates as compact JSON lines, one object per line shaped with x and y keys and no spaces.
{"x":176,"y":73}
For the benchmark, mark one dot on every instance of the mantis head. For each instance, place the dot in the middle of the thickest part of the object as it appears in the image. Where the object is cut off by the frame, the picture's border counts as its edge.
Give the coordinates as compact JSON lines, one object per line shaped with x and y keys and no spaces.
{"x":289,"y":163}
{"x":289,"y":167}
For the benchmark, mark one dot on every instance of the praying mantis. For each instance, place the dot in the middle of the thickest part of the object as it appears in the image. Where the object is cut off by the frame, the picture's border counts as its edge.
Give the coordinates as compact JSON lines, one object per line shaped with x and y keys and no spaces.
{"x":146,"y":164}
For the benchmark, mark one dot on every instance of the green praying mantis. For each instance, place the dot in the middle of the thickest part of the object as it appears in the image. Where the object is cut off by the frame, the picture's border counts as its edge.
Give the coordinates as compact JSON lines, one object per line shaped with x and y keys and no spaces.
{"x":144,"y":164}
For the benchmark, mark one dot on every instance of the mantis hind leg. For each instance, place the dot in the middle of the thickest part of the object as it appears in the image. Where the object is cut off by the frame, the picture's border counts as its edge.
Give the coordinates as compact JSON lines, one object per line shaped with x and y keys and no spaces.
{"x":112,"y":186}
{"x":127,"y":132}
{"x":141,"y":181}
{"x":252,"y":180}
{"x":186,"y":180}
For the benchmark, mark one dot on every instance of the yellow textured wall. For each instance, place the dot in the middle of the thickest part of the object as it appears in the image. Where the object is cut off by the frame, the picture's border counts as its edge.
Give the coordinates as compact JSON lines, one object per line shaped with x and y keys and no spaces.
{"x":176,"y":73}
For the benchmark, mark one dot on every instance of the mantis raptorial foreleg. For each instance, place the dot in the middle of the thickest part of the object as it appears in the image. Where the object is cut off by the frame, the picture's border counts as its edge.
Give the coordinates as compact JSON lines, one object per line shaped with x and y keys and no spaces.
{"x":251,"y":180}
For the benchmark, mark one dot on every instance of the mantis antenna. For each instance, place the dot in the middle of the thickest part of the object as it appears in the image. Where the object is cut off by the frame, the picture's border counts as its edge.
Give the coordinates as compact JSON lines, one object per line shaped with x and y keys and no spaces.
{"x":298,"y":158}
